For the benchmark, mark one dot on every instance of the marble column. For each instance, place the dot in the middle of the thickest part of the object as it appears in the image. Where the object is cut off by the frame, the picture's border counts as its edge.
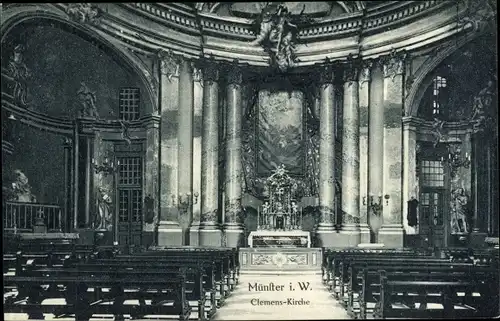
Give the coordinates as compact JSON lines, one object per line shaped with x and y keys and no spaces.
{"x":185,"y":150}
{"x":89,"y":154}
{"x":75,"y":177}
{"x":326,"y":231}
{"x":66,"y":217}
{"x":194,"y":230}
{"x":233,"y":218}
{"x":151,"y":184}
{"x":410,"y":179}
{"x":364,"y":103}
{"x":210,"y":233}
{"x":350,"y":156}
{"x":375,"y":151}
{"x":391,"y":233}
{"x":169,"y":231}
{"x":479,"y":188}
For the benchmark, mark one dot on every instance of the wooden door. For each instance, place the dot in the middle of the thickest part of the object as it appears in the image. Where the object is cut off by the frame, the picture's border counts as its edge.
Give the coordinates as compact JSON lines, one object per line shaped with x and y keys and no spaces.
{"x":129,"y":200}
{"x":432,"y":218}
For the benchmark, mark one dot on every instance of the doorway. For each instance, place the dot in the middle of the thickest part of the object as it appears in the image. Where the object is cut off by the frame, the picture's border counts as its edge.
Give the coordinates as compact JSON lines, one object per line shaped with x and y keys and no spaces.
{"x":129,"y":200}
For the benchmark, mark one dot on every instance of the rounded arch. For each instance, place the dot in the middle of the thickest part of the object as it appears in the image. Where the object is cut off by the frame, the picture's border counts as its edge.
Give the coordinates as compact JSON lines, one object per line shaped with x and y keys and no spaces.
{"x":49,"y":14}
{"x":423,"y":76}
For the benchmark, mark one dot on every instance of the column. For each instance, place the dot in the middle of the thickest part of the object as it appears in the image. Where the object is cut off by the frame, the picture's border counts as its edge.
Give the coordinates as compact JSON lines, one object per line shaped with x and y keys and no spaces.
{"x":375,"y":152}
{"x":75,"y":176}
{"x":479,"y":188}
{"x":326,"y":232}
{"x":391,"y":233}
{"x":169,"y":231}
{"x":410,"y":179}
{"x":66,"y":217}
{"x":185,"y":150}
{"x":233,"y":227}
{"x":198,"y":76}
{"x":364,"y":103}
{"x":89,"y":149}
{"x":151,"y":184}
{"x":210,"y":234}
{"x":350,"y":156}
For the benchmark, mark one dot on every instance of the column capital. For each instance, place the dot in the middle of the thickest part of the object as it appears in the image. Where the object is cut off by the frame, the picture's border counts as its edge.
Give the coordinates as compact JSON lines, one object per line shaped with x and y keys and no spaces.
{"x":327,"y":73}
{"x":210,"y":69}
{"x":234,"y":74}
{"x":394,"y":63}
{"x":197,"y":73}
{"x":366,"y":71}
{"x":67,"y":142}
{"x":351,"y":70}
{"x":169,"y":63}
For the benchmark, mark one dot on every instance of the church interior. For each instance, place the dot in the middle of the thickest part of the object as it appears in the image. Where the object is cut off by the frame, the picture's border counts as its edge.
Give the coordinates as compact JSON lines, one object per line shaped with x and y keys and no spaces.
{"x":197,"y":158}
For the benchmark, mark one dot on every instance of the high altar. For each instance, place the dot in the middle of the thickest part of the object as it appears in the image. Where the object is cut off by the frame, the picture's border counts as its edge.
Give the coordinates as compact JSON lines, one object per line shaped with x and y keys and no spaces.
{"x":279,"y":219}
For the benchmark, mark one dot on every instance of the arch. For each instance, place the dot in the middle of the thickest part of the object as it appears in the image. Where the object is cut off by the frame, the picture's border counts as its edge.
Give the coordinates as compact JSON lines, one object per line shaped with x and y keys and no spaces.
{"x":423,"y":76}
{"x":15,"y":16}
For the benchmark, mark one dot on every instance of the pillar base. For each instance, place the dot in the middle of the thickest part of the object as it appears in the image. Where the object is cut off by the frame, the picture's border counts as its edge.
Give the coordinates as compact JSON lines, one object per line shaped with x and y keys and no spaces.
{"x":170,"y":234}
{"x":477,"y":239}
{"x":335,"y":239}
{"x":210,"y":235}
{"x":234,"y":235}
{"x":392,"y":236}
{"x":352,"y":234}
{"x":364,"y":231}
{"x":194,"y":239}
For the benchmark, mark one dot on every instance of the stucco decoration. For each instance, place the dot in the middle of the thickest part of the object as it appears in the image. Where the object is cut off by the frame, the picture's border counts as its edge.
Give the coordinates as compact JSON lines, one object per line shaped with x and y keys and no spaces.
{"x":84,"y":12}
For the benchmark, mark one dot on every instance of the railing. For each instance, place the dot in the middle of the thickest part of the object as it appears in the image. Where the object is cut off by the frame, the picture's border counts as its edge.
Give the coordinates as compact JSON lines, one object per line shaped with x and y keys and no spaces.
{"x":20,"y":217}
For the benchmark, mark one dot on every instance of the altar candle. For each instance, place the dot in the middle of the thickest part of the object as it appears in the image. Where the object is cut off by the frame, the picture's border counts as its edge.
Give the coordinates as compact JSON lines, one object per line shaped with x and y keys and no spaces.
{"x":258,"y":217}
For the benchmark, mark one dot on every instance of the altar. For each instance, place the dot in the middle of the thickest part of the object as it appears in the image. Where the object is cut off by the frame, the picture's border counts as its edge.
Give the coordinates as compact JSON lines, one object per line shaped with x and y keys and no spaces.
{"x":279,"y":239}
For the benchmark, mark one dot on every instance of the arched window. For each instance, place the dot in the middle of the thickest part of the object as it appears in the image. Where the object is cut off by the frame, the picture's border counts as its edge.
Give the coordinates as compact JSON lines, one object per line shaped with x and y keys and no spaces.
{"x":439,"y":96}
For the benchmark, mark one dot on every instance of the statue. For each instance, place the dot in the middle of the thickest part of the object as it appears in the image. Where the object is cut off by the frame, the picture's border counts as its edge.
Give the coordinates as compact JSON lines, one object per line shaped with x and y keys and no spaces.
{"x":277,"y":32}
{"x":103,"y":220}
{"x":481,"y":104}
{"x":20,"y":73}
{"x":83,"y":12}
{"x":87,"y":99}
{"x":126,"y":133}
{"x":437,"y":127}
{"x":20,"y":189}
{"x":459,"y":211}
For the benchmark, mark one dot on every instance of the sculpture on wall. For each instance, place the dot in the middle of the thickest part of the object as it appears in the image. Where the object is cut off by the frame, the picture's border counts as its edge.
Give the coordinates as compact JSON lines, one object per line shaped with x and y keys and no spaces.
{"x":481,"y":104}
{"x":87,"y":100}
{"x":85,"y":12}
{"x":103,"y":221}
{"x":126,"y":132}
{"x":437,"y":127}
{"x":20,"y":189}
{"x":458,"y":207}
{"x":276,"y":30}
{"x":20,"y":74}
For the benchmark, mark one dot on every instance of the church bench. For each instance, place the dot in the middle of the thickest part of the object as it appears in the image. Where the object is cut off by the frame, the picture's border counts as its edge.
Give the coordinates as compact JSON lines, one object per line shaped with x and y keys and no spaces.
{"x":224,"y":279}
{"x":366,"y":282}
{"x":203,"y":271}
{"x":345,"y":266}
{"x":391,"y":290}
{"x":32,"y":290}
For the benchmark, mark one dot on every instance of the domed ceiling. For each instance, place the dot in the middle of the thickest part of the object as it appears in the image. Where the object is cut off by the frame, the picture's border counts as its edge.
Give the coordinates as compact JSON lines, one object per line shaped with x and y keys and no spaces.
{"x":316,"y":9}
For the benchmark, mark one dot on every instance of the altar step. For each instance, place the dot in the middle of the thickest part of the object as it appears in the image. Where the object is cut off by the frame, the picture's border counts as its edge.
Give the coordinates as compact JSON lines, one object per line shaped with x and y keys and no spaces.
{"x":280,"y":260}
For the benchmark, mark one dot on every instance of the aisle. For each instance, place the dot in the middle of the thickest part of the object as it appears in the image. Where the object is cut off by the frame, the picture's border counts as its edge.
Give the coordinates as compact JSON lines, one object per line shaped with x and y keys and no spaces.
{"x":246,"y":303}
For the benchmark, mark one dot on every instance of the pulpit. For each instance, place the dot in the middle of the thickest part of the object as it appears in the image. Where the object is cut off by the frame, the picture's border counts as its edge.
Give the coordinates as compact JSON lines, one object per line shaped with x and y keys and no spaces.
{"x":279,"y":219}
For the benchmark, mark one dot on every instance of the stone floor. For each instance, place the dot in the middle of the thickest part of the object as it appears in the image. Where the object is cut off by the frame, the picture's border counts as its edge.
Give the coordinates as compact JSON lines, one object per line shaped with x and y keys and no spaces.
{"x":243,"y":305}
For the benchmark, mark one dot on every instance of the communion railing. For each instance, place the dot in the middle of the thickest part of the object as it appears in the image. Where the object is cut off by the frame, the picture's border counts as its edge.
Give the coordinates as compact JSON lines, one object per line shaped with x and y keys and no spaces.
{"x":20,"y":217}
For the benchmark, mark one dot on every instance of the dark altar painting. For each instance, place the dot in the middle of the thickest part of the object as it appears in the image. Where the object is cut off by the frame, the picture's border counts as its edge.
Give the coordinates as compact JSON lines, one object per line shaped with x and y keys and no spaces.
{"x":280,"y":132}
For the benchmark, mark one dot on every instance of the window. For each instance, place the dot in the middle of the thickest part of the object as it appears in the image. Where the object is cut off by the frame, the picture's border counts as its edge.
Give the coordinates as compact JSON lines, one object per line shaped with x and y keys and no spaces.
{"x":130,"y":170}
{"x":129,"y":104}
{"x":437,"y":95}
{"x":432,"y":173}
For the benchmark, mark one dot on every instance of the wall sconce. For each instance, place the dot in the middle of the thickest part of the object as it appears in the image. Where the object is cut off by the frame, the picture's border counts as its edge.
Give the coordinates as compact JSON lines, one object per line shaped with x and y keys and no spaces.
{"x":387,"y":197}
{"x":376,"y":204}
{"x":455,"y":160}
{"x":185,"y":201}
{"x":107,"y":167}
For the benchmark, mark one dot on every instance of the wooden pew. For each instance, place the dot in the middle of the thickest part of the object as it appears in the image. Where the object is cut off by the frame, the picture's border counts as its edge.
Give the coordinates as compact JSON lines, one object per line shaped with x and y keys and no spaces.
{"x":367,"y":281}
{"x":390,"y":289}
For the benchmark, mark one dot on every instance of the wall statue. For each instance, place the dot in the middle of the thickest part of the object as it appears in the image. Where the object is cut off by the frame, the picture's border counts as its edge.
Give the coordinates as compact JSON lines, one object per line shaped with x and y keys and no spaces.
{"x":83,"y":12}
{"x":20,"y":189}
{"x":20,"y":73}
{"x":103,"y":221}
{"x":276,"y":30}
{"x":87,"y":100}
{"x":481,"y":105}
{"x":458,"y":206}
